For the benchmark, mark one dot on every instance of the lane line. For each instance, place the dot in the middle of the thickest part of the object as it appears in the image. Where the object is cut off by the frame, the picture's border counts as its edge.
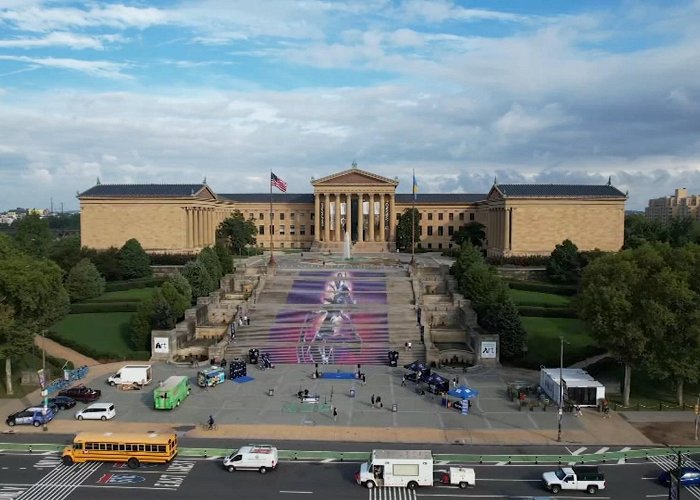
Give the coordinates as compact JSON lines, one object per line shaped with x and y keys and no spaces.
{"x":297,"y":492}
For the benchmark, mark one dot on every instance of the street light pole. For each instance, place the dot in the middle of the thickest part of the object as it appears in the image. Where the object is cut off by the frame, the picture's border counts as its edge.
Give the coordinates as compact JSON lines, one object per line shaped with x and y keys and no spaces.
{"x":697,"y":413}
{"x":43,"y":369}
{"x":561,"y":386}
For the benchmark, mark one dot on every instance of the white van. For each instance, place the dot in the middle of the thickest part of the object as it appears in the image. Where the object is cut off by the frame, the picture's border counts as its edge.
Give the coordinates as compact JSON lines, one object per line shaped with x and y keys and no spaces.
{"x":260,"y":457}
{"x":398,"y":468}
{"x":97,"y":411}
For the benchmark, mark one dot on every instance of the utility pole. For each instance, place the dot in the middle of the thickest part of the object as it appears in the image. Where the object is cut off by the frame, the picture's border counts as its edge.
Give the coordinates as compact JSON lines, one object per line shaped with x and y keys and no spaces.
{"x":697,"y":413}
{"x":561,"y":387}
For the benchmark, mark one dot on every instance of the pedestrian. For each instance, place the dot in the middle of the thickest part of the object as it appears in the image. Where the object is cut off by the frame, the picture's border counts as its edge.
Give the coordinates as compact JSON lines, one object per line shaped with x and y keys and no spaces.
{"x":405,"y":346}
{"x":409,"y":345}
{"x":240,"y":321}
{"x":578,"y":410}
{"x":363,"y":378}
{"x":247,"y":320}
{"x":378,"y":400}
{"x":211,"y":422}
{"x":403,"y":381}
{"x":335,"y":414}
{"x":372,"y":400}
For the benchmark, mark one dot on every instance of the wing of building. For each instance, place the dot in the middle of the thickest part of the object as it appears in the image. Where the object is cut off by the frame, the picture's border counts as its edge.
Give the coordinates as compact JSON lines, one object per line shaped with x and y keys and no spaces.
{"x":519,"y":219}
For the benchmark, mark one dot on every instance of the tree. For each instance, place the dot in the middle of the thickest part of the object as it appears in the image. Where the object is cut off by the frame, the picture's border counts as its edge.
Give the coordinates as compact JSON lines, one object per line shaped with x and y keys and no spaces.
{"x":162,"y":317}
{"x":182,"y":285}
{"x":237,"y":233}
{"x":225,"y":258}
{"x":473,"y":233}
{"x":198,"y":277}
{"x":639,"y":229}
{"x":33,"y":235}
{"x":133,"y":261}
{"x":140,"y":328}
{"x":107,"y":262}
{"x":564,"y":264}
{"x":210,"y":259}
{"x":84,"y":281}
{"x":177,"y":301}
{"x":66,"y":252}
{"x":32,"y":291}
{"x":404,"y":235}
{"x":467,"y":257}
{"x":502,"y":317}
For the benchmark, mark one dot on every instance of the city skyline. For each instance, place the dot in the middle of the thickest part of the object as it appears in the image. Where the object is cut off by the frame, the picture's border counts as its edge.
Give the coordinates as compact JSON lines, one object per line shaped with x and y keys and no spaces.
{"x":461,"y":92}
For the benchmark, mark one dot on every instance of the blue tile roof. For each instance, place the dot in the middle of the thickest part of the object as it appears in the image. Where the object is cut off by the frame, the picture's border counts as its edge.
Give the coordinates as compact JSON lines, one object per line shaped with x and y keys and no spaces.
{"x":142,"y":190}
{"x":560,"y":191}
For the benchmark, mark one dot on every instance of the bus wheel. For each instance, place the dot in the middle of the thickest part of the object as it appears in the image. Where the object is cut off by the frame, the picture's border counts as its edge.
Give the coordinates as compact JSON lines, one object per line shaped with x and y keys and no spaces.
{"x":67,"y":460}
{"x":133,"y":463}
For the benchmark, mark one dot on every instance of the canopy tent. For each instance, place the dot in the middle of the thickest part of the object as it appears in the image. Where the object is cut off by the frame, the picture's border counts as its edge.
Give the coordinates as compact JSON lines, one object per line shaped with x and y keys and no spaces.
{"x":464,"y":393}
{"x":437,"y":382}
{"x":416,"y":366}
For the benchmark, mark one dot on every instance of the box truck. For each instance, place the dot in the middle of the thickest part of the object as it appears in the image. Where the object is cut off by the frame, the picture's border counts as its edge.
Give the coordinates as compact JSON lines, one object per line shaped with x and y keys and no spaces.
{"x":399,"y":468}
{"x":132,"y":374}
{"x":171,"y":393}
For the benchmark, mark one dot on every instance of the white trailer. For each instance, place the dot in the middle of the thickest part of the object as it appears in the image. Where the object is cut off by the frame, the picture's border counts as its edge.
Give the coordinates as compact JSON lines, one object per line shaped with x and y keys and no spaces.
{"x":132,"y":374}
{"x":579,"y":387}
{"x":398,"y":468}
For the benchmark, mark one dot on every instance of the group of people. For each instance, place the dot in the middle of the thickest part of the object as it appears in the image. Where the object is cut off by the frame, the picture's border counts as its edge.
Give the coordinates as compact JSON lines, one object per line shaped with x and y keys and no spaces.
{"x":376,"y":401}
{"x":236,"y":323}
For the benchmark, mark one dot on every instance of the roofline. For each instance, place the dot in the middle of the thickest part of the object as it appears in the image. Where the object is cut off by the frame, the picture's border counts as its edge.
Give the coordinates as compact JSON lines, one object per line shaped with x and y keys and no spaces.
{"x":359,"y":170}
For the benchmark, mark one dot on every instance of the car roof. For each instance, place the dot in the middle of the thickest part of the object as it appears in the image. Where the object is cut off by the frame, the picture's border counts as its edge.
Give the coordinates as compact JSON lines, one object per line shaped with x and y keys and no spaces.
{"x":100,"y":405}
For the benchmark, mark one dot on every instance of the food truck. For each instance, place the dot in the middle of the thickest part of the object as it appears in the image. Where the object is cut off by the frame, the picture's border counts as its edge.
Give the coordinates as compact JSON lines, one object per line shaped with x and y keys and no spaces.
{"x":209,"y":377}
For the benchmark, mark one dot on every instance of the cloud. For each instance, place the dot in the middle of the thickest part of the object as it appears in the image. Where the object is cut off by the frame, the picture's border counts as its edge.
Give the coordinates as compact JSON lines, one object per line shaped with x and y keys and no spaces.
{"x":58,"y":39}
{"x":102,"y":69}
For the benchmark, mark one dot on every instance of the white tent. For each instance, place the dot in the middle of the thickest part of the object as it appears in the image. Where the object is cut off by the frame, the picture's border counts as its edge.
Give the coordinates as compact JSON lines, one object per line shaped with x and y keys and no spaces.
{"x":579,"y":387}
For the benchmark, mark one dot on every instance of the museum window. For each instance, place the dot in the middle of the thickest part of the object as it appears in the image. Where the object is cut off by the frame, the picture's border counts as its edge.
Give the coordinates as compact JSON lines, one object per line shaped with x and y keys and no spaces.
{"x":302,"y":230}
{"x":282,"y":244}
{"x":291,"y":244}
{"x":282,"y":216}
{"x":261,"y":229}
{"x":450,"y":230}
{"x":420,"y":230}
{"x":440,"y":216}
{"x":430,"y":245}
{"x":451,"y":217}
{"x":261,"y":216}
{"x":471,"y":216}
{"x":430,"y":230}
{"x":292,"y":229}
{"x":461,"y":216}
{"x":291,"y":216}
{"x":281,"y":230}
{"x":420,"y":246}
{"x":430,"y":216}
{"x":312,"y":216}
{"x":440,"y":246}
{"x":272,"y":229}
{"x":313,"y":230}
{"x":440,"y":230}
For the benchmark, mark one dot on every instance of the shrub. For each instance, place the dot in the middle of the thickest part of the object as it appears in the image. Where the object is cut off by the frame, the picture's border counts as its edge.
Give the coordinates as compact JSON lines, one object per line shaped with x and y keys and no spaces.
{"x":84,"y":281}
{"x":177,"y":301}
{"x":198,"y":277}
{"x":564,"y":263}
{"x":133,"y":261}
{"x":162,"y":317}
{"x":106,"y":261}
{"x":547,"y":312}
{"x":140,"y":328}
{"x":182,"y":286}
{"x":170,"y":259}
{"x":120,"y":286}
{"x":225,"y":258}
{"x":103,"y":307}
{"x":210,"y":259}
{"x":543,"y":287}
{"x":519,"y":260}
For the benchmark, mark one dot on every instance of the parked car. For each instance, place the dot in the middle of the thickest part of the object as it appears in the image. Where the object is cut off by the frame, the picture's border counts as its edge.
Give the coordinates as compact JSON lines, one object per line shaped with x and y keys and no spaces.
{"x":97,"y":411}
{"x":63,"y":402}
{"x":33,"y":415}
{"x":52,"y":406}
{"x":689,"y":476}
{"x":82,"y":393}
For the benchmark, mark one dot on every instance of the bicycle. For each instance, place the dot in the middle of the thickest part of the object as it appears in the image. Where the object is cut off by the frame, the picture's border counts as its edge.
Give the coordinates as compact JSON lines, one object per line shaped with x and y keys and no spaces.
{"x":207,"y":427}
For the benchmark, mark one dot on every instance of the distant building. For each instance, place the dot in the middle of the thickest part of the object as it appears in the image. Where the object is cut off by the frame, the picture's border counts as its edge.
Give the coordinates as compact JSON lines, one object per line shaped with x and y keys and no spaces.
{"x":519,"y":219}
{"x":681,"y":204}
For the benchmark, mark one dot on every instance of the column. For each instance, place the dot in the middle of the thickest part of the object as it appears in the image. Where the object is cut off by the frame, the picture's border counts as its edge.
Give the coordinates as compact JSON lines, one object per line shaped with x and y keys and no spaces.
{"x":348,"y":214}
{"x":506,"y":230}
{"x":187,"y":228}
{"x":371,"y":217}
{"x":392,"y":219}
{"x":326,"y":218}
{"x":382,"y":217}
{"x":210,"y":227}
{"x":360,"y":217}
{"x":317,"y":217}
{"x":338,"y":237}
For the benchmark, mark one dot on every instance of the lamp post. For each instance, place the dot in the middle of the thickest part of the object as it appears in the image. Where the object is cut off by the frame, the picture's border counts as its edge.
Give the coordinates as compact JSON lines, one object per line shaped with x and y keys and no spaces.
{"x":561,"y":387}
{"x":44,"y":392}
{"x":697,"y":413}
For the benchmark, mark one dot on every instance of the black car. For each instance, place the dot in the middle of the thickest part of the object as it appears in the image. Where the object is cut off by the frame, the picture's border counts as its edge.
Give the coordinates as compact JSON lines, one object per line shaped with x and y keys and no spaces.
{"x":82,"y":393}
{"x":63,"y":402}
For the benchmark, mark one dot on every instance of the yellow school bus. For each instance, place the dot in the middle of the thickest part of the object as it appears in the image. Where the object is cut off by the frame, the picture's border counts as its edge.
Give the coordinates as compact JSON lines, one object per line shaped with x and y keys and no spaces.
{"x":132,"y":448}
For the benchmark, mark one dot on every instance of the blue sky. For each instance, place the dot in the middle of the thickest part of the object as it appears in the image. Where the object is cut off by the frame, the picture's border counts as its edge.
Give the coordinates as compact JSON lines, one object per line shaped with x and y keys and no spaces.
{"x":460,"y":91}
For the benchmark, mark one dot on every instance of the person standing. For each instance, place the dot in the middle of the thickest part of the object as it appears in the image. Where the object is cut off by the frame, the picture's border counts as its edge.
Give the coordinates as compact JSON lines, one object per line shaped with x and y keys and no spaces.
{"x":403,"y":381}
{"x":335,"y":414}
{"x":372,"y":400}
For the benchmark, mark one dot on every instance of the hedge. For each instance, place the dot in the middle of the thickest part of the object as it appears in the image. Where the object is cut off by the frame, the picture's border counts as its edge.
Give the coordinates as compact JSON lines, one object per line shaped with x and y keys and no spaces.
{"x":543,"y":287}
{"x":94,"y":353}
{"x":171,"y":259}
{"x":118,"y":286}
{"x":519,"y":260}
{"x":547,"y":312}
{"x":102,"y":300}
{"x":104,"y":307}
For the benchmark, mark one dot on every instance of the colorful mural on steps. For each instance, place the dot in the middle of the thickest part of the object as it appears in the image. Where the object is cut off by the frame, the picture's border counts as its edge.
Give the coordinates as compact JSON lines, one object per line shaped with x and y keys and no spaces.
{"x":337,"y":332}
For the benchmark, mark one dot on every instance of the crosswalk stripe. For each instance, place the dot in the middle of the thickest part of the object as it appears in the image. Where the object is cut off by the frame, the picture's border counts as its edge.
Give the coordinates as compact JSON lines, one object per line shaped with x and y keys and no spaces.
{"x":602,"y":450}
{"x":579,"y":451}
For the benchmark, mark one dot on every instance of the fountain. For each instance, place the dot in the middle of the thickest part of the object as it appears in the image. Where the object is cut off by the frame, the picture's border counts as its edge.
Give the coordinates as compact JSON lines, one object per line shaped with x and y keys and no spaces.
{"x":346,"y":247}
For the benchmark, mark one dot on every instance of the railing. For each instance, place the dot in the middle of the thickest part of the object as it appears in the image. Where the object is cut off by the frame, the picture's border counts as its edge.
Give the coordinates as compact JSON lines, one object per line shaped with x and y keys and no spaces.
{"x":69,"y":376}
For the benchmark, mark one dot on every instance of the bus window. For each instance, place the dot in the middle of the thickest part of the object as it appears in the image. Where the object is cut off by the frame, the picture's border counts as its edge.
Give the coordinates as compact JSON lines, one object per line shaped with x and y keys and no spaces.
{"x":77,"y":446}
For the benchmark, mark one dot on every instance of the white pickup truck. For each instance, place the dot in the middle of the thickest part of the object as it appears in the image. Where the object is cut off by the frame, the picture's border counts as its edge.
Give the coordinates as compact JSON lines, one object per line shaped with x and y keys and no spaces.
{"x":586,"y":478}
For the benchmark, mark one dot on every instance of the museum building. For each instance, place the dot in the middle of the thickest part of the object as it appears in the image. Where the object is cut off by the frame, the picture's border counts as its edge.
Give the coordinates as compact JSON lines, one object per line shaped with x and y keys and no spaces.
{"x":519,"y":219}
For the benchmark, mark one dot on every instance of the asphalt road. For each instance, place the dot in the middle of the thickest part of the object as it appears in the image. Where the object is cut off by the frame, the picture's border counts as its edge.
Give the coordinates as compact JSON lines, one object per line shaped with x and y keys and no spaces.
{"x":35,"y":476}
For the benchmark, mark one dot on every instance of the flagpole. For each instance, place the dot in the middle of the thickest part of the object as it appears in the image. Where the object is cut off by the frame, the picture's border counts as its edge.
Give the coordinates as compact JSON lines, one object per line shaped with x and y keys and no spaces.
{"x":413,"y":221}
{"x":272,"y":222}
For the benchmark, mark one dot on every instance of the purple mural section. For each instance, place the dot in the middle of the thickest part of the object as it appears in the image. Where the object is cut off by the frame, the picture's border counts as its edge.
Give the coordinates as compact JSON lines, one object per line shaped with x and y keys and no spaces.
{"x":335,"y":332}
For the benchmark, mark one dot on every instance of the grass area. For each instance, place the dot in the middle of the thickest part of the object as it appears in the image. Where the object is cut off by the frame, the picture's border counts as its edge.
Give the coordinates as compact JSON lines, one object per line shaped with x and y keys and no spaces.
{"x":544,"y":345}
{"x":646,"y":391}
{"x":103,"y":332}
{"x":527,"y":298}
{"x":134,"y":293}
{"x":31,"y":361}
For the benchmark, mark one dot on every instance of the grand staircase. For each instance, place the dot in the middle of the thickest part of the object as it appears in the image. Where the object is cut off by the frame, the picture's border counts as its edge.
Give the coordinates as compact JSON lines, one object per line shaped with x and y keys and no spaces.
{"x":332,"y":317}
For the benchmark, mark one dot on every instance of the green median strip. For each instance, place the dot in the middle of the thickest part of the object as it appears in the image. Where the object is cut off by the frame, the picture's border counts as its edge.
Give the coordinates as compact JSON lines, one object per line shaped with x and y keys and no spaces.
{"x":358,"y":456}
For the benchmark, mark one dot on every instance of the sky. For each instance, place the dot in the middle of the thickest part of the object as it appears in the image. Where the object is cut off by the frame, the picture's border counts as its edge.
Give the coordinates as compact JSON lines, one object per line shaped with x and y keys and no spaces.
{"x":462,"y":92}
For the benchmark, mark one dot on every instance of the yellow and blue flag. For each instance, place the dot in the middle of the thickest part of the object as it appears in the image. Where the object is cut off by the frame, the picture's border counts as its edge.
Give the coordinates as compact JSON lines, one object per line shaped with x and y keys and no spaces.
{"x":415,"y":186}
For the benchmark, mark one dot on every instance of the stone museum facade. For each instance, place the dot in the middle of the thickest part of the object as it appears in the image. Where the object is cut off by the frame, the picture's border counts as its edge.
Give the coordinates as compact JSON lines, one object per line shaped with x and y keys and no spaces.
{"x":519,"y":219}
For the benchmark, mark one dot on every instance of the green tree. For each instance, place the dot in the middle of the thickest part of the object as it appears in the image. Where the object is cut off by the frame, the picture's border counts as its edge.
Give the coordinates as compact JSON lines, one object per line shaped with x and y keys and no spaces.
{"x":225,"y":258}
{"x":639,"y":229}
{"x":106,"y":261}
{"x":66,"y":252}
{"x":64,"y":221}
{"x":467,"y":257}
{"x":133,"y":261}
{"x":237,"y":233}
{"x":682,"y":231}
{"x":502,"y":317}
{"x":564,"y":264}
{"x":182,"y":285}
{"x":210,"y":259}
{"x":404,"y":234}
{"x":473,"y":233}
{"x":33,"y":235}
{"x":162,"y":317}
{"x":84,"y":281}
{"x":177,"y":301}
{"x":198,"y":277}
{"x":140,"y":328}
{"x":32,"y":289}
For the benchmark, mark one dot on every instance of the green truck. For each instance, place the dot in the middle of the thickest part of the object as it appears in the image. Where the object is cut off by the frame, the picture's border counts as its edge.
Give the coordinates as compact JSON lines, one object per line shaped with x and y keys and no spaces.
{"x":170,"y":393}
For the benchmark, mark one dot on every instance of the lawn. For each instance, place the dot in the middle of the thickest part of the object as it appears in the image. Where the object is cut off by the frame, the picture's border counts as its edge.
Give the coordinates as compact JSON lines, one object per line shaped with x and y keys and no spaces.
{"x":544,"y":345}
{"x":31,"y":361}
{"x":539,"y":299}
{"x":121,"y":295}
{"x":103,"y":332}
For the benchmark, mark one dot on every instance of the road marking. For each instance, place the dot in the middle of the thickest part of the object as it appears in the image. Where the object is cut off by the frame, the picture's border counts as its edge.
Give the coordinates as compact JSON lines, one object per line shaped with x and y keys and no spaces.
{"x":602,"y":450}
{"x":442,"y":462}
{"x":501,"y":463}
{"x":622,"y":460}
{"x":326,"y":460}
{"x":297,"y":492}
{"x":579,"y":451}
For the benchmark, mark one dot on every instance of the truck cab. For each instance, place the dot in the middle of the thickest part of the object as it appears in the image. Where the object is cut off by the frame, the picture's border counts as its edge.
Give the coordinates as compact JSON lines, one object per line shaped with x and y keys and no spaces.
{"x":583,"y":478}
{"x":397,"y":468}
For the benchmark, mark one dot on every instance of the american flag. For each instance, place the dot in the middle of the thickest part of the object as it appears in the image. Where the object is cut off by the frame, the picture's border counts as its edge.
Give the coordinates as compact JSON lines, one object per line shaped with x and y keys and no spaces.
{"x":278,"y":183}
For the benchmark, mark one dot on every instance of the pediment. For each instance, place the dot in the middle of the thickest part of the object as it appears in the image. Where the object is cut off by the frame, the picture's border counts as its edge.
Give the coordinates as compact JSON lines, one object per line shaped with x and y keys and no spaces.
{"x":205,"y":193}
{"x":494,"y":194}
{"x":353,"y":176}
